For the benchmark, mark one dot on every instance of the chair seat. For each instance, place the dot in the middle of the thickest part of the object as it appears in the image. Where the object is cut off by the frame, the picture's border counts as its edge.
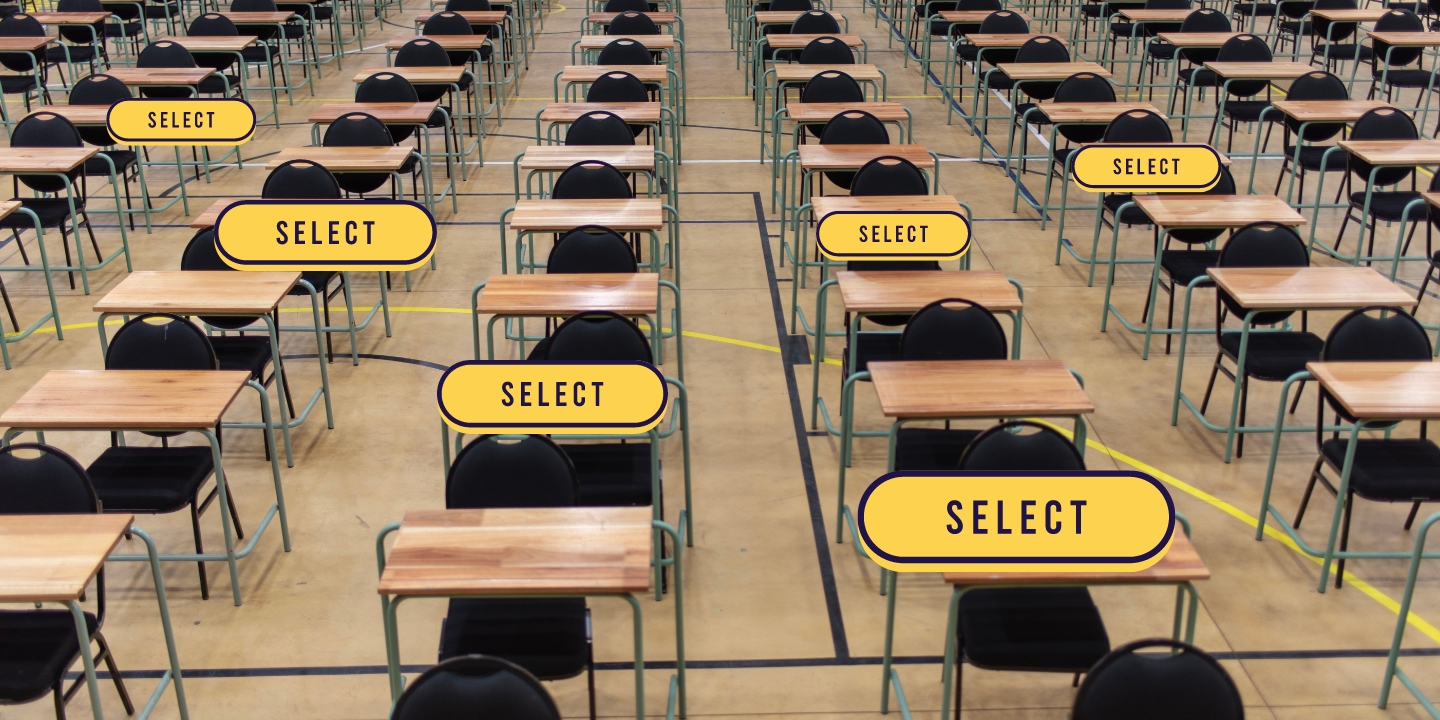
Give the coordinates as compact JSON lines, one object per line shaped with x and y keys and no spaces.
{"x":1410,"y":78}
{"x":128,"y":29}
{"x":1186,"y":265}
{"x":968,"y":52}
{"x":1036,"y":118}
{"x":612,"y":473}
{"x":293,"y":32}
{"x":1249,"y":110}
{"x":123,"y":159}
{"x":1133,"y":215}
{"x":52,"y":212}
{"x":931,"y":448}
{"x":997,"y":80}
{"x":872,"y":347}
{"x":1390,"y":206}
{"x":10,"y":84}
{"x":257,"y":53}
{"x":1121,"y":29}
{"x":36,"y":648}
{"x":1162,"y":50}
{"x":545,"y":636}
{"x":1041,"y":629}
{"x":1312,"y":155}
{"x":1390,"y":470}
{"x":1274,"y":356}
{"x":1091,"y":10}
{"x":161,"y":12}
{"x":1295,"y":27}
{"x":250,"y":353}
{"x":213,"y":85}
{"x":78,"y":53}
{"x":150,"y":479}
{"x":1198,"y":77}
{"x":318,"y":279}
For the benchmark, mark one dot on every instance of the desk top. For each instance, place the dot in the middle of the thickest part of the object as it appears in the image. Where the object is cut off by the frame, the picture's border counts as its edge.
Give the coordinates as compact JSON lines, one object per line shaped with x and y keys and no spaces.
{"x":1382,"y":390}
{"x":1350,"y":14}
{"x":560,"y":550}
{"x":589,"y":73}
{"x":69,"y":18}
{"x":398,"y":113}
{"x":880,"y":291}
{"x":626,"y":158}
{"x":659,"y":18}
{"x":800,"y":40}
{"x":53,"y":557}
{"x":8,"y":206}
{"x":1327,"y":110}
{"x":212,"y":214}
{"x":264,"y":18}
{"x":975,"y":16}
{"x":159,"y":76}
{"x":1197,"y":39}
{"x":1412,"y":39}
{"x":1432,"y":197}
{"x":43,"y":159}
{"x":449,"y":42}
{"x":1062,"y":113}
{"x":1008,"y":40}
{"x":1051,"y":71}
{"x":1143,"y":15}
{"x":26,"y":43}
{"x":1180,"y":563}
{"x":851,"y":157}
{"x":632,"y":215}
{"x":474,"y":17}
{"x":417,"y":75}
{"x":1309,"y":288}
{"x":77,"y":114}
{"x":1279,"y":70}
{"x":126,"y":399}
{"x":823,"y":112}
{"x":797,"y":72}
{"x":977,"y":388}
{"x":567,"y":294}
{"x":635,"y":112}
{"x":650,"y":42}
{"x":219,"y":43}
{"x":382,"y":158}
{"x":1180,"y":210}
{"x":197,"y":292}
{"x":1395,"y":152}
{"x":827,"y":204}
{"x":777,"y":17}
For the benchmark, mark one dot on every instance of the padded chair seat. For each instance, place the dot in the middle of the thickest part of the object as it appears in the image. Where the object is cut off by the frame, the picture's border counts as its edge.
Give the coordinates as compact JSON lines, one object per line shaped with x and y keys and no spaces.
{"x":1198,"y":77}
{"x":1121,"y":29}
{"x":1162,"y":50}
{"x":1249,"y":110}
{"x":250,"y":353}
{"x":256,"y":54}
{"x":997,"y":80}
{"x":1133,"y":215}
{"x":293,"y":32}
{"x":52,"y":211}
{"x":159,"y":12}
{"x":1036,"y":118}
{"x":1391,"y":205}
{"x":968,"y":52}
{"x":1312,"y":155}
{"x":1274,"y":356}
{"x":38,"y":646}
{"x":150,"y":479}
{"x":1343,"y":51}
{"x":939,"y":28}
{"x":1054,"y":629}
{"x":123,"y":159}
{"x":612,"y":473}
{"x":931,"y":448}
{"x":1410,"y":78}
{"x":1186,"y":265}
{"x":1091,"y":10}
{"x":1295,"y":26}
{"x":128,"y":29}
{"x":213,"y":86}
{"x":318,"y":279}
{"x":545,"y":636}
{"x":78,"y":53}
{"x":11,"y":84}
{"x":1390,"y":470}
{"x":872,"y":347}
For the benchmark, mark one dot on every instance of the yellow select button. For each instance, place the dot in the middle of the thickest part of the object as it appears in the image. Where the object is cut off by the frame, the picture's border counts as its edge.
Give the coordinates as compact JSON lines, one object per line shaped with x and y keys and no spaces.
{"x":519,"y":396}
{"x":325,"y":235}
{"x":1155,"y":167}
{"x":200,"y":121}
{"x":847,"y":235}
{"x":1099,"y":521}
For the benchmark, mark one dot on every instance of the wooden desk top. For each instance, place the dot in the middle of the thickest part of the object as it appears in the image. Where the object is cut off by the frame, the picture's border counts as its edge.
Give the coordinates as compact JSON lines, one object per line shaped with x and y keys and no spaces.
{"x":1259,"y":70}
{"x":212,"y":214}
{"x":882,"y":291}
{"x":800,"y":40}
{"x":136,"y":76}
{"x":1051,"y":71}
{"x":197,"y":292}
{"x":1349,"y":15}
{"x":635,"y":112}
{"x":126,"y":399}
{"x":474,"y":17}
{"x":1395,"y":152}
{"x":561,"y":215}
{"x":1432,"y":197}
{"x":53,"y":557}
{"x":567,"y":294}
{"x":851,"y":157}
{"x":1180,"y":563}
{"x":398,"y":113}
{"x":589,"y":73}
{"x":1412,"y":39}
{"x":626,"y":158}
{"x":25,"y":44}
{"x":796,"y":72}
{"x":15,"y":160}
{"x":1180,"y":210}
{"x":8,"y":206}
{"x":1062,"y":113}
{"x":885,"y":203}
{"x":211,"y":42}
{"x":659,"y":18}
{"x":975,"y":16}
{"x":383,"y":158}
{"x":977,"y":388}
{"x":449,"y":42}
{"x":77,"y":114}
{"x":1327,"y":110}
{"x":1309,"y":288}
{"x":417,"y":75}
{"x":1197,"y":39}
{"x":263,"y":18}
{"x":1008,"y":40}
{"x":651,"y":42}
{"x":560,"y":550}
{"x":1143,"y":15}
{"x":69,"y":18}
{"x":823,"y":112}
{"x":1382,"y":390}
{"x":777,"y":17}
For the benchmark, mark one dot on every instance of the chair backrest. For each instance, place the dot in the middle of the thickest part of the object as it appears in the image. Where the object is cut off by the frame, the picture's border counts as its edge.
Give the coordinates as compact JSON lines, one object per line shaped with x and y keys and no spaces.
{"x":529,"y":472}
{"x":1186,"y":685}
{"x":1318,"y":85}
{"x":815,"y":22}
{"x":357,"y":129}
{"x":979,"y":5}
{"x":213,"y":25}
{"x":624,"y":52}
{"x":1085,"y":87}
{"x":49,"y":482}
{"x":1262,"y":244}
{"x":1382,"y":124}
{"x":599,"y":127}
{"x":597,"y":336}
{"x":300,"y":180}
{"x":42,"y":130}
{"x":97,"y":90}
{"x":164,"y":54}
{"x":1138,"y":126}
{"x":447,"y":23}
{"x":1245,"y":48}
{"x":855,"y":127}
{"x":201,"y":254}
{"x":953,"y":329}
{"x":1004,"y":22}
{"x":633,"y":23}
{"x":620,"y":6}
{"x":826,"y":50}
{"x":591,"y":180}
{"x":389,"y":87}
{"x":1204,"y":20}
{"x":889,"y":176}
{"x":1321,"y":29}
{"x":1003,"y":447}
{"x":417,"y":53}
{"x":1395,"y":20}
{"x":160,"y":341}
{"x":617,"y":87}
{"x":591,"y":249}
{"x":1361,"y":336}
{"x":832,"y":86}
{"x":456,"y":688}
{"x":1043,"y":49}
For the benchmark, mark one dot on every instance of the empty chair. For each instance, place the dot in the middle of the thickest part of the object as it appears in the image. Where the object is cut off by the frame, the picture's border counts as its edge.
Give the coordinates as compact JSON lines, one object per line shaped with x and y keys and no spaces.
{"x":1313,"y":86}
{"x":591,"y":180}
{"x":591,"y":249}
{"x":831,"y":86}
{"x":360,"y":129}
{"x":1241,"y":48}
{"x":1043,"y":49}
{"x":421,"y":52}
{"x":1005,"y":447}
{"x":42,"y":130}
{"x":1388,"y":64}
{"x":855,"y":127}
{"x":83,"y":43}
{"x":22,"y":25}
{"x":1384,"y":205}
{"x":889,"y":176}
{"x":1002,"y":22}
{"x":1201,"y":20}
{"x":455,"y":688}
{"x":620,"y":6}
{"x":1175,"y":681}
{"x":1179,"y":267}
{"x":304,"y":180}
{"x":266,"y":54}
{"x":1238,"y":106}
{"x":814,"y":22}
{"x":105,"y":90}
{"x":599,"y":127}
{"x":1328,"y":38}
{"x":633,"y":23}
{"x":168,"y":54}
{"x":940,"y":28}
{"x":1135,"y":126}
{"x":1128,"y":31}
{"x":1080,"y":87}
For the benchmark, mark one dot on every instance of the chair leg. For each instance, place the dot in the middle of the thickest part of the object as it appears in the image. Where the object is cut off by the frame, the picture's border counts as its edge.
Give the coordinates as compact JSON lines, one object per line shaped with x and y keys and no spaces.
{"x":199,"y":549}
{"x":1344,"y":539}
{"x":8,"y":307}
{"x":590,"y":670}
{"x":1170,"y":318}
{"x":959,"y":678}
{"x":1244,"y":401}
{"x":114,"y":673}
{"x":59,"y":700}
{"x":1214,"y":371}
{"x":234,"y":516}
{"x":1410,"y":519}
{"x":1296,"y":402}
{"x":1309,"y":488}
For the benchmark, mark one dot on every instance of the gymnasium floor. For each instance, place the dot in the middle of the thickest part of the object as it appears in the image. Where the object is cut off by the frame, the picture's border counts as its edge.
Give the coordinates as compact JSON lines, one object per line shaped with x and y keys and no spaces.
{"x":780,"y":620}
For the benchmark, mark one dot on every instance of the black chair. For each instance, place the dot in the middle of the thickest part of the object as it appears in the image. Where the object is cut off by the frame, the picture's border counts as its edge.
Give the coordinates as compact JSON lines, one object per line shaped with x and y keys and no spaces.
{"x":125,"y":22}
{"x":105,"y":90}
{"x":591,"y":180}
{"x":1238,"y":105}
{"x":1080,"y":87}
{"x":599,"y":127}
{"x":360,"y":129}
{"x":1388,"y":64}
{"x":169,"y":54}
{"x":166,"y":479}
{"x":940,"y":28}
{"x":1389,"y":206}
{"x":1179,"y":267}
{"x":1183,"y":683}
{"x":1043,"y":49}
{"x":37,"y":647}
{"x":1328,"y":38}
{"x":591,"y":249}
{"x":43,"y":130}
{"x":1122,"y":29}
{"x":632,"y":23}
{"x":831,"y":86}
{"x":814,"y":22}
{"x":889,"y":176}
{"x":549,"y":637}
{"x":1201,"y":20}
{"x":289,"y":31}
{"x":22,"y":25}
{"x":624,"y":51}
{"x":1292,"y":26}
{"x":617,"y":87}
{"x":428,"y":53}
{"x":265,"y":54}
{"x":1271,"y":356}
{"x":304,"y":180}
{"x":1246,"y":48}
{"x":1026,"y":629}
{"x":1135,"y":126}
{"x":1313,"y":86}
{"x":1384,"y":469}
{"x":826,"y":50}
{"x":457,"y":688}
{"x":83,"y":43}
{"x":449,"y":23}
{"x":854,"y":127}
{"x":791,"y":5}
{"x":1003,"y":22}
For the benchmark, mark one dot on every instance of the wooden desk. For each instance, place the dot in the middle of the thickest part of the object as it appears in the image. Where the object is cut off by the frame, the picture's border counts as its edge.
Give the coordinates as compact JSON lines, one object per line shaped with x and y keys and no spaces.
{"x":1181,"y":563}
{"x":800,"y":40}
{"x":851,"y":157}
{"x":474,"y":17}
{"x":212,"y":43}
{"x":650,"y":42}
{"x":195,"y":292}
{"x":557,"y":158}
{"x":1062,"y":113}
{"x":895,"y":291}
{"x":51,"y":558}
{"x":563,"y":295}
{"x":1309,"y":288}
{"x":151,"y":77}
{"x":212,"y":214}
{"x":1197,"y":39}
{"x":1327,"y":110}
{"x":1406,"y":39}
{"x":632,"y":112}
{"x":1382,"y":390}
{"x":1259,"y":70}
{"x":259,"y":18}
{"x":1050,"y":71}
{"x":977,"y":388}
{"x":777,"y":17}
{"x":1172,"y":211}
{"x":69,"y":18}
{"x":396,"y":113}
{"x":1140,"y":15}
{"x":418,"y":75}
{"x":796,"y":72}
{"x":659,"y":18}
{"x":25,"y":43}
{"x":1394,"y":152}
{"x":975,"y":16}
{"x":77,"y":114}
{"x":550,"y":215}
{"x":449,"y":42}
{"x":1008,"y":40}
{"x":384,"y":158}
{"x":1349,"y":15}
{"x":126,"y":400}
{"x":21,"y":160}
{"x":591,"y":73}
{"x":824,"y":112}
